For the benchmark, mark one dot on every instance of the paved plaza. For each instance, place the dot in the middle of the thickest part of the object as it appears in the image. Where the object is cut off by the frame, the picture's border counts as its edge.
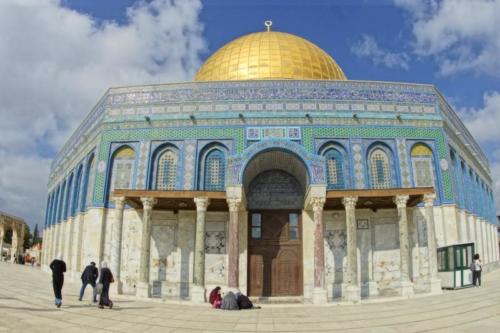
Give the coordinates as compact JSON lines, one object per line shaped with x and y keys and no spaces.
{"x":26,"y":306}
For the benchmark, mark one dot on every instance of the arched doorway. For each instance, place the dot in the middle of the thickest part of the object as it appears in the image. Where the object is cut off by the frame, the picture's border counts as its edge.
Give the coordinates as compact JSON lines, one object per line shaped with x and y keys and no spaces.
{"x":275,"y":183}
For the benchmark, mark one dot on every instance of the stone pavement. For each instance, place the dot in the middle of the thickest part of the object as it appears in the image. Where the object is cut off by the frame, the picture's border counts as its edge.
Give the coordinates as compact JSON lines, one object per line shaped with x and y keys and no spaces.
{"x":26,"y":305}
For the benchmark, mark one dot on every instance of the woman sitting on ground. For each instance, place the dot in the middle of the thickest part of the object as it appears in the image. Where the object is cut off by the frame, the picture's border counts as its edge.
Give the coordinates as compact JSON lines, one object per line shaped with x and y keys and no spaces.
{"x":244,"y":302}
{"x":229,"y":302}
{"x":215,"y":298}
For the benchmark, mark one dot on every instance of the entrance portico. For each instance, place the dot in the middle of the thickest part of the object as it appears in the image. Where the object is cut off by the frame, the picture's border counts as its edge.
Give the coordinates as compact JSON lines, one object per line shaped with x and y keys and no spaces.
{"x":279,"y":238}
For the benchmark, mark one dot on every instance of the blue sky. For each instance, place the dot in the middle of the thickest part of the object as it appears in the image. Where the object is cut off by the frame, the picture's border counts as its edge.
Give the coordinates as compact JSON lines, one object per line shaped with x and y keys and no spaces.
{"x":73,"y":50}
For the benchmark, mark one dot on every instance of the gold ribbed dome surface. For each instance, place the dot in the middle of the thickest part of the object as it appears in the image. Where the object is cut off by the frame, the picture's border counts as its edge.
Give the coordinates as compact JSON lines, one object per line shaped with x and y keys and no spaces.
{"x":270,"y":55}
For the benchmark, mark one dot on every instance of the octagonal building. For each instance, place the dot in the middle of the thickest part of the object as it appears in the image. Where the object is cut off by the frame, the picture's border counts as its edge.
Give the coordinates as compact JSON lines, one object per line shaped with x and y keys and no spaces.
{"x":273,"y":174}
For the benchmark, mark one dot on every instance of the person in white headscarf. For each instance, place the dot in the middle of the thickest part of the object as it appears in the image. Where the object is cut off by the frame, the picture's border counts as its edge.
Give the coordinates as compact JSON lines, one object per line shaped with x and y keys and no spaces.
{"x":105,"y":278}
{"x":58,"y":267}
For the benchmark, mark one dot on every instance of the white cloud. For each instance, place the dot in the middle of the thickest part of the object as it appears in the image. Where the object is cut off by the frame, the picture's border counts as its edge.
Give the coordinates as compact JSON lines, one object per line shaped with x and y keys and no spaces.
{"x":461,"y":35}
{"x":483,"y":125}
{"x":483,"y":122}
{"x":55,"y":63}
{"x":368,"y":48}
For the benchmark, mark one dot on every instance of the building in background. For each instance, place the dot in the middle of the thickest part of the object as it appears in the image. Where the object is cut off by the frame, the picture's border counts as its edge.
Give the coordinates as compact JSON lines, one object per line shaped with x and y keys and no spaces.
{"x":273,"y":174}
{"x":9,"y":222}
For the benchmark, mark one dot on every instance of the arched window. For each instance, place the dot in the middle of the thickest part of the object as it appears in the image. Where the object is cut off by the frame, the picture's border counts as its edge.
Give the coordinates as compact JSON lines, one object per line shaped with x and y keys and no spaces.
{"x":334,"y":169}
{"x":421,"y":161}
{"x":67,"y":200}
{"x":123,"y":168}
{"x":76,"y":191}
{"x":166,"y":177}
{"x":88,"y":184}
{"x":215,"y":166}
{"x":60,"y":202}
{"x":53,"y":213}
{"x":380,"y":169}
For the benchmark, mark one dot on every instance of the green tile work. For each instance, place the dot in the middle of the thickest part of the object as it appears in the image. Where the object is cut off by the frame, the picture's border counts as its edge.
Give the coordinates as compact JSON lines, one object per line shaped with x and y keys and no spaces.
{"x":310,"y":133}
{"x":207,"y":133}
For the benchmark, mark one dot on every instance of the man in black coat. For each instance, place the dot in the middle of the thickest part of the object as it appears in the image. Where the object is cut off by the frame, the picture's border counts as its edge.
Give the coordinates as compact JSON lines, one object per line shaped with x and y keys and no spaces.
{"x":89,"y":276}
{"x":58,"y":267}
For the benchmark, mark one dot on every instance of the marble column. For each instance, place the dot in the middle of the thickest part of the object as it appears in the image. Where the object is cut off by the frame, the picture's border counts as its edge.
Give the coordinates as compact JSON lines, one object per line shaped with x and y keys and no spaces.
{"x":14,"y":243}
{"x":404,"y":247}
{"x":116,"y":243}
{"x":233,"y":245}
{"x":78,"y":230}
{"x":353,"y":290}
{"x":198,"y":290}
{"x":2,"y":234}
{"x":320,"y":294}
{"x":434,"y":281}
{"x":143,"y":287}
{"x":68,"y":253}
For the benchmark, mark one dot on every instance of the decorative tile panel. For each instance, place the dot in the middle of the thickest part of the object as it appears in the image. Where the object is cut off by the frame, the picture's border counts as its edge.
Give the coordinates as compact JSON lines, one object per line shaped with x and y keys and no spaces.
{"x":189,"y":163}
{"x":359,"y":173}
{"x":403,"y":162}
{"x":142,"y":165}
{"x":258,"y":133}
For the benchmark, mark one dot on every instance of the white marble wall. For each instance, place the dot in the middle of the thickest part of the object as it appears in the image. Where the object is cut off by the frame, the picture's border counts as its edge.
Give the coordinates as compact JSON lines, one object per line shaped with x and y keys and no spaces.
{"x":173,"y":244}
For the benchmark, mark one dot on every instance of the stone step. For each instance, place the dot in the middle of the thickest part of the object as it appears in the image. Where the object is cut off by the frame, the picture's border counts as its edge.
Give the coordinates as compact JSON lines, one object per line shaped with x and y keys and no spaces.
{"x":277,"y":299}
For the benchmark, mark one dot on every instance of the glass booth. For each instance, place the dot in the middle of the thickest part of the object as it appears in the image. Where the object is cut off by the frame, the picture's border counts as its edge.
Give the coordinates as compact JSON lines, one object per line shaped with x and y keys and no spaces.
{"x":453,"y":265}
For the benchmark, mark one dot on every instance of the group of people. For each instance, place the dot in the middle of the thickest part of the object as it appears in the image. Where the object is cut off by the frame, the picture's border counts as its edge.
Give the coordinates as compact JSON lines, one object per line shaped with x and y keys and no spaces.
{"x":230,"y":301}
{"x":90,"y":276}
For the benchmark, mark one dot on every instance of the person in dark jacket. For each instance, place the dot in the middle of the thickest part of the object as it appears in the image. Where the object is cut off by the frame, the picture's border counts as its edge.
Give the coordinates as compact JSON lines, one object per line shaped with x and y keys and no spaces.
{"x":244,"y":302}
{"x":58,"y":267}
{"x":106,"y":278}
{"x":89,"y":276}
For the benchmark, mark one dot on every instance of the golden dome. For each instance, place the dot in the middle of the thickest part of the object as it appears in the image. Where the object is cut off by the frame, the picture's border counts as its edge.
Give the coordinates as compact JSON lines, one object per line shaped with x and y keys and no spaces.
{"x":269,"y":55}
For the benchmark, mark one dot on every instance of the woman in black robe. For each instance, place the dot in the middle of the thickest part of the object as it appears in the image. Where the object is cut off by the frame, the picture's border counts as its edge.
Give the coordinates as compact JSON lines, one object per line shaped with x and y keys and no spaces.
{"x":106,"y":278}
{"x":58,"y":267}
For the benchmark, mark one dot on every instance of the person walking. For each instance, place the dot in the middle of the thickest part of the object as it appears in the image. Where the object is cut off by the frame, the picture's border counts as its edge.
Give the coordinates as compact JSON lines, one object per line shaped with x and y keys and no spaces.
{"x":476,"y":267}
{"x":58,"y":267}
{"x":89,"y":276}
{"x":105,"y":278}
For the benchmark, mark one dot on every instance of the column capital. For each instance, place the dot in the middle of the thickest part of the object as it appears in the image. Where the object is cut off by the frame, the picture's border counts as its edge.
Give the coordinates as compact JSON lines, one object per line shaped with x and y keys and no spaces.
{"x":317,"y":203}
{"x":429,"y":199}
{"x":119,"y":202}
{"x":148,"y":202}
{"x":234,"y":204}
{"x":349,"y":202}
{"x":201,"y":203}
{"x":401,"y":200}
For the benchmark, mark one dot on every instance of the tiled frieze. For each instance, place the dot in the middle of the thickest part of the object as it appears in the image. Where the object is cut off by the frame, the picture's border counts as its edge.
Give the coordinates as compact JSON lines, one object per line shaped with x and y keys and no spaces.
{"x":273,"y":90}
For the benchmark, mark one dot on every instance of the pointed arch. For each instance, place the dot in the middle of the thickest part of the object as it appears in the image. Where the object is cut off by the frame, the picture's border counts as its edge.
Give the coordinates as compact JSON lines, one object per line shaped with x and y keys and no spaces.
{"x":68,"y":196}
{"x":166,"y":165}
{"x":213,"y":168}
{"x":76,"y":191}
{"x":422,"y":165}
{"x":335,"y":166}
{"x":123,"y":162}
{"x":88,"y":182}
{"x":380,"y":167}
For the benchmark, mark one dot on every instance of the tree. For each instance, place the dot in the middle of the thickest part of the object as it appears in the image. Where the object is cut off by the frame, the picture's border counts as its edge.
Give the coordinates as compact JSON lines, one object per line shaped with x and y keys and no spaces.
{"x":8,"y":236}
{"x":36,"y":237}
{"x":27,"y":237}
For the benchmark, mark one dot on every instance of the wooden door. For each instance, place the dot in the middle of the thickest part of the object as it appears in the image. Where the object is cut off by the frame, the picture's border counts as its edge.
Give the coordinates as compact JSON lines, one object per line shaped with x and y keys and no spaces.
{"x":275,"y":253}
